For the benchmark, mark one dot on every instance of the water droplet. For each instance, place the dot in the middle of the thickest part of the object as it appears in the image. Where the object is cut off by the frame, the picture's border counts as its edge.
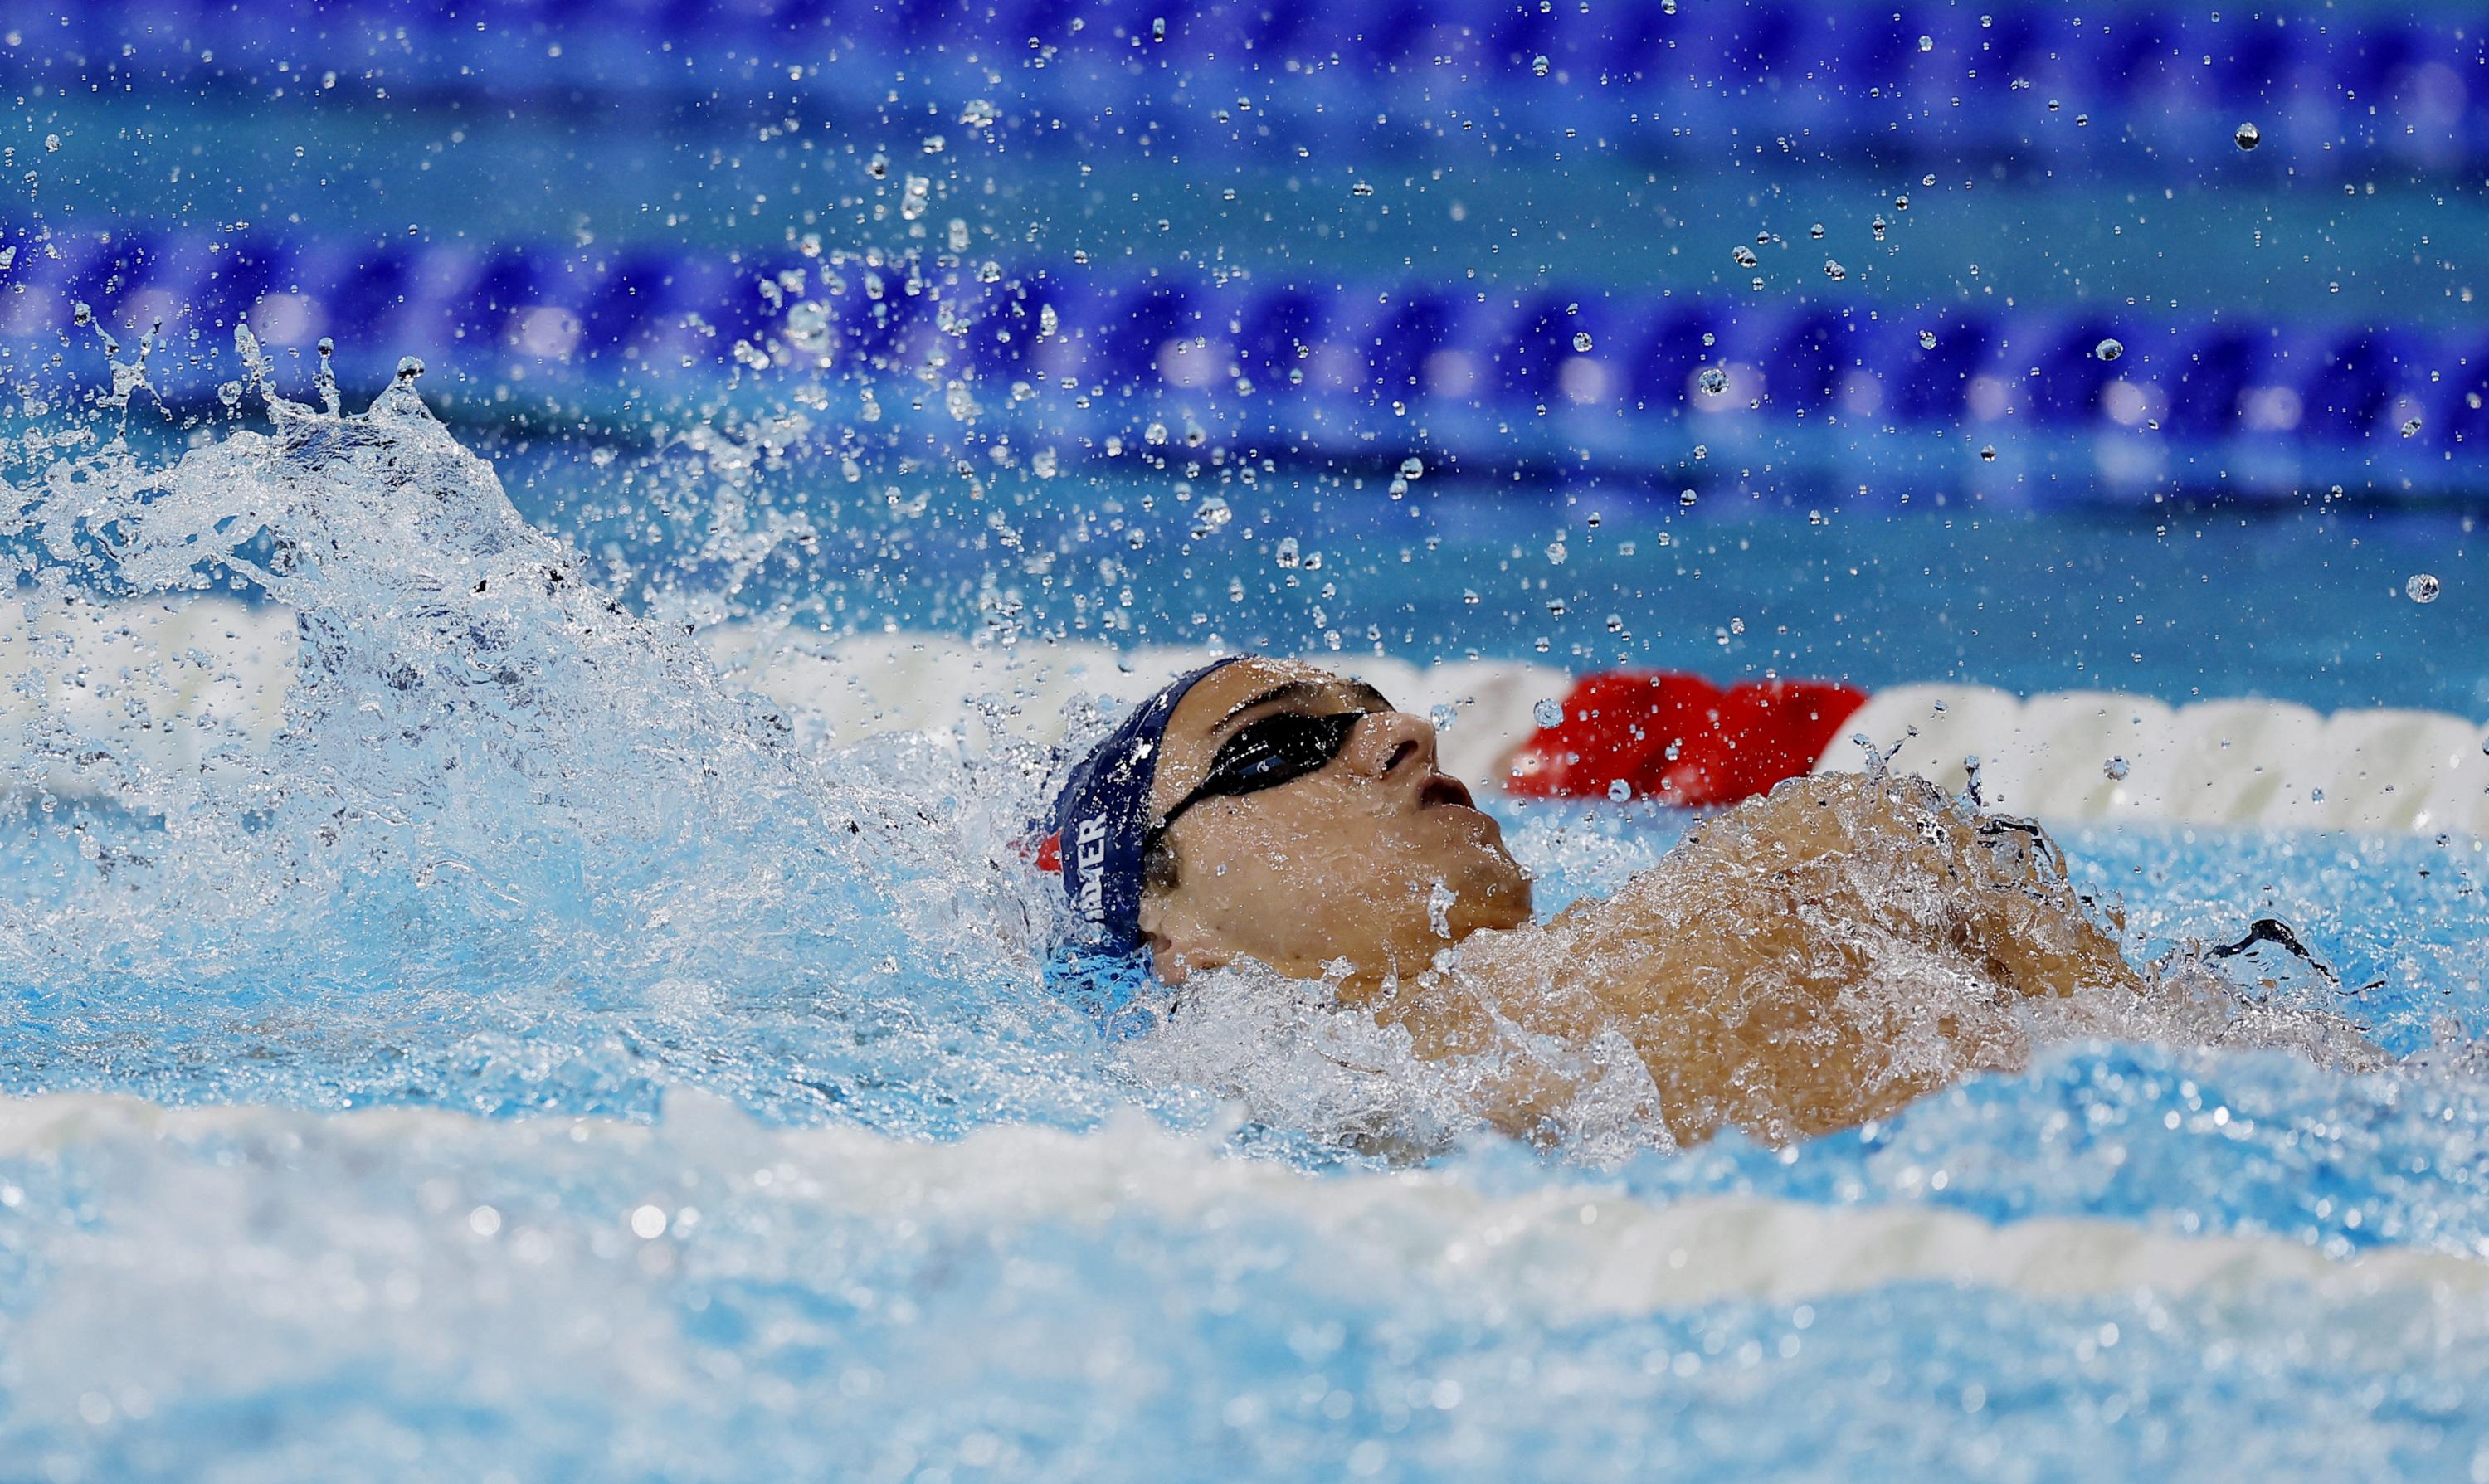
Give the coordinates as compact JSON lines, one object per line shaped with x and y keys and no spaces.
{"x":1412,"y":468}
{"x":1879,"y":226}
{"x":1557,"y":552}
{"x":1548,"y":713}
{"x":1615,"y":623}
{"x":1989,"y":454}
{"x":1744,"y":255}
{"x":1686,"y":499}
{"x":51,"y":143}
{"x":2423,"y":587}
{"x":1441,"y":717}
{"x":2410,"y":427}
{"x":2248,"y":136}
{"x":2115,"y":768}
{"x":81,"y":315}
{"x":1816,"y":231}
{"x":1712,"y":380}
{"x":1927,"y":43}
{"x":2109,"y":348}
{"x":1539,"y":64}
{"x":1286,"y":553}
{"x":1619,"y":790}
{"x":1927,"y":339}
{"x":1582,"y":341}
{"x":1834,"y":270}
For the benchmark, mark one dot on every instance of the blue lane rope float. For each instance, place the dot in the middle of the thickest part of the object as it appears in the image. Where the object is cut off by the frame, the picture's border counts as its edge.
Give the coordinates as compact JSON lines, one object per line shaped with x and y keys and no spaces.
{"x":2162,"y":85}
{"x":1317,"y":369}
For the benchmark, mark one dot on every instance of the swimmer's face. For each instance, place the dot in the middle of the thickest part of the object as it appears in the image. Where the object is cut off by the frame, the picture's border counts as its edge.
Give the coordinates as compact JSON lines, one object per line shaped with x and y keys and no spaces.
{"x":1375,"y":857}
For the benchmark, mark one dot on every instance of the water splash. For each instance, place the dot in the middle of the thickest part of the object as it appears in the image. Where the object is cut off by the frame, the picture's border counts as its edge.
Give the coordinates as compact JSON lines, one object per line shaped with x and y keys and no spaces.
{"x":499,"y":800}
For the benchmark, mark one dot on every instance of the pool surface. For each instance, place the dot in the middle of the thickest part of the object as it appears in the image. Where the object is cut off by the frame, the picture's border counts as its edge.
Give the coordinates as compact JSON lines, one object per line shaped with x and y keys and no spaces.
{"x":539,"y":1058}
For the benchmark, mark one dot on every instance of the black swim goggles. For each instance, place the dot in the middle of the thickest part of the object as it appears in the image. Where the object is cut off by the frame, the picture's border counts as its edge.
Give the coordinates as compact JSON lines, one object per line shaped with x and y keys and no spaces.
{"x":1265,"y":753}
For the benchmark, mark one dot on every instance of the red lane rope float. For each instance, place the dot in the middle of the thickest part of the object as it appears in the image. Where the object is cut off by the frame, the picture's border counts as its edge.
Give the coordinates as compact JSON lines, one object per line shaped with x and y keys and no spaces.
{"x":1680,"y":738}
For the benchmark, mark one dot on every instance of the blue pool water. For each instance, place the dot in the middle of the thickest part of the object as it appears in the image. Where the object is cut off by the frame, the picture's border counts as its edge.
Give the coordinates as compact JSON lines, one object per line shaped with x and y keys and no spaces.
{"x":538,"y":1061}
{"x":876,"y":1206}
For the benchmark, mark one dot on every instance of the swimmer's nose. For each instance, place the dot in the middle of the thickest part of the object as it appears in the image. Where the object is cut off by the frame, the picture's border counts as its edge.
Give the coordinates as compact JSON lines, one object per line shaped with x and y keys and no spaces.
{"x":1387,"y":741}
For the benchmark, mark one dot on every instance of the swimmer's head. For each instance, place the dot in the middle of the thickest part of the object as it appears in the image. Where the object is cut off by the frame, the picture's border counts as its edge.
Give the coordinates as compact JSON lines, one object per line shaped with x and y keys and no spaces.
{"x":1272,"y":811}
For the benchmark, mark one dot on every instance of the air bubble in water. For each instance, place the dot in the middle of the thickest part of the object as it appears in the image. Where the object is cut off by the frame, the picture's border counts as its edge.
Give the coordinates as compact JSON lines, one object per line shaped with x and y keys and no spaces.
{"x":2423,"y":587}
{"x":1539,"y":64}
{"x":1412,"y":468}
{"x":1834,"y":270}
{"x":2410,"y":427}
{"x":1713,"y":380}
{"x":1686,"y":499}
{"x":2114,"y":768}
{"x":1987,"y":452}
{"x":2109,"y":348}
{"x":1744,"y":255}
{"x":2248,"y":136}
{"x":979,"y":113}
{"x":1548,"y":713}
{"x":1582,"y":341}
{"x":1619,"y":790}
{"x":1927,"y":43}
{"x":1927,"y":339}
{"x":81,"y":315}
{"x":51,"y":143}
{"x":1816,"y":231}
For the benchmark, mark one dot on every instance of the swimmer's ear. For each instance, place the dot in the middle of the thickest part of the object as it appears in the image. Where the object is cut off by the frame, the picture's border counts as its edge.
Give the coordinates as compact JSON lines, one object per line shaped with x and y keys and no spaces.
{"x":1180,"y":943}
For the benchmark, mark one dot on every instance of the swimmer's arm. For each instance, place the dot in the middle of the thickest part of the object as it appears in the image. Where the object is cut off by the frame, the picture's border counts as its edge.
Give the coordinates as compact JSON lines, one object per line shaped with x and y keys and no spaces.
{"x":1999,"y":885}
{"x":1534,"y":1057}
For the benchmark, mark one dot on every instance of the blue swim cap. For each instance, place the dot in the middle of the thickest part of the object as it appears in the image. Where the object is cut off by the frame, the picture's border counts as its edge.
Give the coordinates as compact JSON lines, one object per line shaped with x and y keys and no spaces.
{"x":1102,"y":817}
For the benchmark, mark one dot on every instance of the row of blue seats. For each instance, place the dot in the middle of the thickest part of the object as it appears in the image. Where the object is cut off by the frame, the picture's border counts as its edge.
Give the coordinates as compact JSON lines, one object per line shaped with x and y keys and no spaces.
{"x":1840,"y":68}
{"x":546,"y":317}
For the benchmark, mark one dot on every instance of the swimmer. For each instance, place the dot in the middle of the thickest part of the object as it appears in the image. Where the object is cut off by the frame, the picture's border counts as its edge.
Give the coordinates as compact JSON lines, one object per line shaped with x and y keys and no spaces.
{"x":1806,"y":961}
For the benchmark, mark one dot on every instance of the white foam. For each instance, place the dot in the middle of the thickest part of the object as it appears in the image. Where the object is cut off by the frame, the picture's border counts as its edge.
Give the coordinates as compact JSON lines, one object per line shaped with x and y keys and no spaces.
{"x":1568,"y":1248}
